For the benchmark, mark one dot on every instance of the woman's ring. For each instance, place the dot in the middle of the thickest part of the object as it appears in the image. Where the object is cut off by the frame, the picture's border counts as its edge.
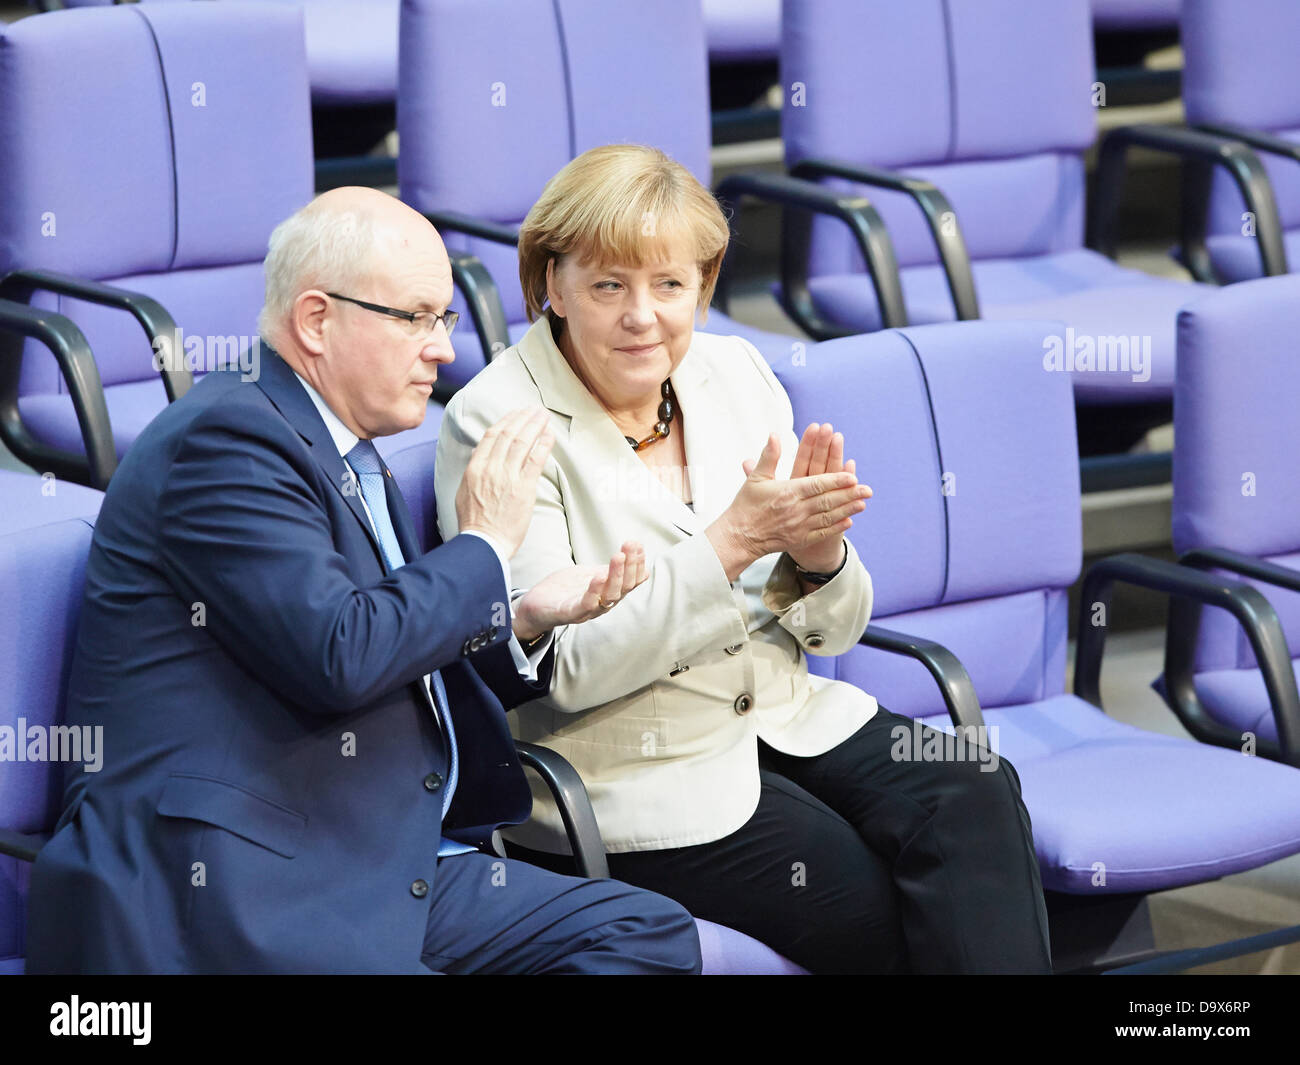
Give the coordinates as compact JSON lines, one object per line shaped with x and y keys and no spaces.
{"x":603,"y":605}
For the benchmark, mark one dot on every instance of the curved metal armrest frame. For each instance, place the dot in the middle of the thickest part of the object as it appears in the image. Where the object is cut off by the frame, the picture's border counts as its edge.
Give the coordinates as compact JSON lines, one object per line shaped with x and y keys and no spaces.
{"x":157,"y":324}
{"x":939,"y":216}
{"x":954,"y":682}
{"x":799,"y":200}
{"x":1189,"y":590}
{"x":575,"y":807}
{"x":77,"y":365}
{"x":1202,"y":151}
{"x":485,"y":310}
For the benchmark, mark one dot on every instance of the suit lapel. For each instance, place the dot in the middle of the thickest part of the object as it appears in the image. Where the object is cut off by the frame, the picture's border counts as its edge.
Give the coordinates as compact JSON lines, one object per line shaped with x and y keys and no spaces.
{"x":283,"y":388}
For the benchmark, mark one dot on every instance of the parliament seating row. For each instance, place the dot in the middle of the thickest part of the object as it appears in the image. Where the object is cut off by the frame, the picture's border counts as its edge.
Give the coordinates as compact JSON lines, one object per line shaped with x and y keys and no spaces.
{"x":177,"y":205}
{"x":972,"y":538}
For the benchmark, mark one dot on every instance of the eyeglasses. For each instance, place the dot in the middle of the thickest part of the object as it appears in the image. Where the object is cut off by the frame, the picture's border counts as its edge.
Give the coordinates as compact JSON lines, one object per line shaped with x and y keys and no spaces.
{"x":420,"y":324}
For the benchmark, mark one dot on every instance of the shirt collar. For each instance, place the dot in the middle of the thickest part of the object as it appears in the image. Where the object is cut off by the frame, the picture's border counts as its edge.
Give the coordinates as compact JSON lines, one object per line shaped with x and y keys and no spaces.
{"x":344,"y":438}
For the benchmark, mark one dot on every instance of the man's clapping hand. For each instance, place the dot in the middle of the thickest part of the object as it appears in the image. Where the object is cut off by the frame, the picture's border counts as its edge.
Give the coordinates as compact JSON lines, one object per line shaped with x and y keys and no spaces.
{"x":578,"y":593}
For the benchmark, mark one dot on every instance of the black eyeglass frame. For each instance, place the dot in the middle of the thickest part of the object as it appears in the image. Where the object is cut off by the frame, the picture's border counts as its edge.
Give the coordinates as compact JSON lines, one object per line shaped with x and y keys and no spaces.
{"x":447,"y":318}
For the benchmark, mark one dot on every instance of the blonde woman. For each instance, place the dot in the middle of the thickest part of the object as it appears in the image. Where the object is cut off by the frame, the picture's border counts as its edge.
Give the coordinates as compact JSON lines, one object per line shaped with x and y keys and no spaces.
{"x":722,"y":773}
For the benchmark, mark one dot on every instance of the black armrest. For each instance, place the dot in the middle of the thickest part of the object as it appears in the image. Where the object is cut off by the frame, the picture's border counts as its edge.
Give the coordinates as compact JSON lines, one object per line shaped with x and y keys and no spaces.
{"x":954,"y":682}
{"x":22,"y":845}
{"x":939,"y":216}
{"x":1245,"y":565}
{"x":157,"y":323}
{"x":456,"y":222}
{"x":77,"y":365}
{"x":575,"y":807}
{"x":1189,"y":590}
{"x":1202,"y":151}
{"x":799,"y":198}
{"x":485,"y":310}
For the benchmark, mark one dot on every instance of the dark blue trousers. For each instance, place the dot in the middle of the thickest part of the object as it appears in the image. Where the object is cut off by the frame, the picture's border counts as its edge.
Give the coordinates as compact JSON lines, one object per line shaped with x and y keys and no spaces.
{"x":497,"y":915}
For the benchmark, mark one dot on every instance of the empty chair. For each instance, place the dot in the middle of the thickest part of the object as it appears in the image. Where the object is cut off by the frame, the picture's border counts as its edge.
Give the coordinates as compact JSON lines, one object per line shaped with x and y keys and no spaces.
{"x":210,"y":147}
{"x":725,"y":950}
{"x":498,"y":95}
{"x":972,"y":539}
{"x":1239,"y":80}
{"x":970,"y":120}
{"x":1236,"y":508}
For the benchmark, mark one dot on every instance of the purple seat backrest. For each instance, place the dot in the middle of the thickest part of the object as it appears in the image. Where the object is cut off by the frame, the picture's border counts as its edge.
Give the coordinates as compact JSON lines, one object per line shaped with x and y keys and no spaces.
{"x":1239,"y":69}
{"x":496,"y":96}
{"x":41,"y":575}
{"x":988,"y":99}
{"x":973,"y":533}
{"x":1236,"y":439}
{"x":154,"y":147}
{"x":413,"y":470}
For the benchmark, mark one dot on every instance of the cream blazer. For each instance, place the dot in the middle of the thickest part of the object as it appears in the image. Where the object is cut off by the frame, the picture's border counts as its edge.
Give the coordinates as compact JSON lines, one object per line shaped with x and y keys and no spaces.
{"x":660,"y":702}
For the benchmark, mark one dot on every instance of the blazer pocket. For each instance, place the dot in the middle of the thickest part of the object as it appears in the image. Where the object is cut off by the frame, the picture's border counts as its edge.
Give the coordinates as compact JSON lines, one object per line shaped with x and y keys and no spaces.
{"x":235,"y":809}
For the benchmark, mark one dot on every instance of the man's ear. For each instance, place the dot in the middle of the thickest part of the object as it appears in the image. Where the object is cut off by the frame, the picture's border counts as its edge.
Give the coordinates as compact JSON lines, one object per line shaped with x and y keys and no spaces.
{"x":308,"y":320}
{"x":552,"y":289}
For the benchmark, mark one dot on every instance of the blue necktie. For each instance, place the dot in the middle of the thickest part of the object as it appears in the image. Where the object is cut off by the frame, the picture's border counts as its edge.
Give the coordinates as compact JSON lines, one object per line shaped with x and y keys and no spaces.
{"x":365,"y":463}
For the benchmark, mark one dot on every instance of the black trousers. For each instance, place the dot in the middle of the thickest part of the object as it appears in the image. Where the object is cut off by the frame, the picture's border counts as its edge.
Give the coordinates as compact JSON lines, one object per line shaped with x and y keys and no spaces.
{"x":869,"y":859}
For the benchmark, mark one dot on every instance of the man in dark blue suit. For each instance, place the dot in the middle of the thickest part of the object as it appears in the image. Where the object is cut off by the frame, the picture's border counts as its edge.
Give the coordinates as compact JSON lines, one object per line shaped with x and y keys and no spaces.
{"x":305,"y":747}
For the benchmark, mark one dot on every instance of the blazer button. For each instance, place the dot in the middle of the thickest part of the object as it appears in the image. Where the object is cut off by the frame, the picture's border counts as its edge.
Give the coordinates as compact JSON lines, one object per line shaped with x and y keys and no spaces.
{"x":420,"y":888}
{"x":814,"y":639}
{"x":735,"y":649}
{"x":743,"y":703}
{"x":432,"y":782}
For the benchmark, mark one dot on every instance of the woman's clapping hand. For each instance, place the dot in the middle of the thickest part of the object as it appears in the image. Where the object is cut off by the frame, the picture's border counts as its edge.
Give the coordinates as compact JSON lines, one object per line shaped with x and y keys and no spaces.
{"x":805,"y":516}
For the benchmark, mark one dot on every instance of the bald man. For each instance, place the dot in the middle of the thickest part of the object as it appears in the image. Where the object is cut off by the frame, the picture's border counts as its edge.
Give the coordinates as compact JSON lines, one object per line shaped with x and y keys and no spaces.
{"x":305,"y":745}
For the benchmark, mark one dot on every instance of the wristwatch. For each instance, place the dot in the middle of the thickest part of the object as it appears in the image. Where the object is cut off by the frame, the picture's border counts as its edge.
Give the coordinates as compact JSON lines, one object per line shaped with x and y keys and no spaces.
{"x":821,"y":578}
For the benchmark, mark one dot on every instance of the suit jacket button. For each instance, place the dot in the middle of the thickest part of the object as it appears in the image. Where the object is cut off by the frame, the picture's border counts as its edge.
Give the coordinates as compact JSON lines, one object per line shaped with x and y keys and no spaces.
{"x":734,"y":649}
{"x":744,"y":701}
{"x":814,"y":639}
{"x":420,"y":888}
{"x":432,"y":782}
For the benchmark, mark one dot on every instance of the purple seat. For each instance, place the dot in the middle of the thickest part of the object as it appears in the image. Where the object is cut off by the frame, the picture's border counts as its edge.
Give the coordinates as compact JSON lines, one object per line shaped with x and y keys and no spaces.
{"x":973,"y":538}
{"x":1238,"y":77}
{"x":28,"y":501}
{"x":987,"y":102}
{"x":41,"y":574}
{"x":1235,"y":442}
{"x":177,"y":203}
{"x":483,"y":150}
{"x":351,"y":47}
{"x":725,"y":950}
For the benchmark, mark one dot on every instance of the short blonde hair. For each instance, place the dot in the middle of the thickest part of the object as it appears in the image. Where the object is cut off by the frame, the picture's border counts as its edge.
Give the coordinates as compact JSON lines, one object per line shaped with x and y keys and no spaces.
{"x":620,"y":204}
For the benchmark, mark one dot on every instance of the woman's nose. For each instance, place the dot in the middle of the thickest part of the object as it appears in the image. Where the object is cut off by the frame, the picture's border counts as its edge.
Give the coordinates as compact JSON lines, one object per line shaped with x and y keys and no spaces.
{"x":640,"y":308}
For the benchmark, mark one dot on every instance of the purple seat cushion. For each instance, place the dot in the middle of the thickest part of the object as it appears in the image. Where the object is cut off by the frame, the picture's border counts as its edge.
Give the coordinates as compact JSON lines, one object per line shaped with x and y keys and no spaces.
{"x":1148,"y":811}
{"x":352,"y":50}
{"x":27,"y":501}
{"x":1236,"y":258}
{"x":1086,"y":291}
{"x":131,"y":407}
{"x":1238,"y":697}
{"x":727,"y":952}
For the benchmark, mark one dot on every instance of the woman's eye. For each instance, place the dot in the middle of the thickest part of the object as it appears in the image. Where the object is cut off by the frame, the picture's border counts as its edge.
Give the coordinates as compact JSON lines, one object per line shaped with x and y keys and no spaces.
{"x":607,"y":286}
{"x":669,"y":282}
